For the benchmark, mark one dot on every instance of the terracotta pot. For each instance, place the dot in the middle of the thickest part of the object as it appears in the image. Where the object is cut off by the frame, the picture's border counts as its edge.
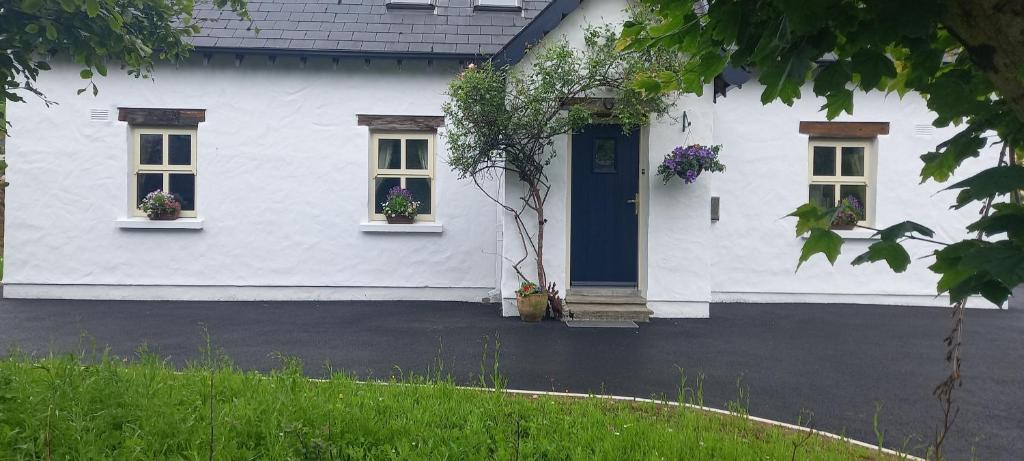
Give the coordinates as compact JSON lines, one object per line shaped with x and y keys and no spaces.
{"x":167,"y":216}
{"x":400,"y":219}
{"x":532,"y":307}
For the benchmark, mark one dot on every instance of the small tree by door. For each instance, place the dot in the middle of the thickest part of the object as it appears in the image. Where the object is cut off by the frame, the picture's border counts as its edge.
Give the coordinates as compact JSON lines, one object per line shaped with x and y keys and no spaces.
{"x":502,"y":121}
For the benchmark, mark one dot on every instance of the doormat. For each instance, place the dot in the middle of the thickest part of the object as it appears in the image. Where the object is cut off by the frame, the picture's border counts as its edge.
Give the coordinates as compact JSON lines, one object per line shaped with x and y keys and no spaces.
{"x":600,"y":324}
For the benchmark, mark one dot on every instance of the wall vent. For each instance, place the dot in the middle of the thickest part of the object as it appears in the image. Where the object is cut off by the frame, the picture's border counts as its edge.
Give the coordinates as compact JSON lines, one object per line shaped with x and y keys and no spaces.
{"x":99,"y":115}
{"x":924,"y":130}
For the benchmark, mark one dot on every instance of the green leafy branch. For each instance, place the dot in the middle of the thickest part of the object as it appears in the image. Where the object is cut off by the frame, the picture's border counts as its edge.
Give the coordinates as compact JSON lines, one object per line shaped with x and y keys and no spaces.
{"x":953,"y":54}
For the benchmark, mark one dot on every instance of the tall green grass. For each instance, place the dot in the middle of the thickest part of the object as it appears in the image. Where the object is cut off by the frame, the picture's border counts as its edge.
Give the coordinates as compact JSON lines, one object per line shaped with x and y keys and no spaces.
{"x":64,"y":407}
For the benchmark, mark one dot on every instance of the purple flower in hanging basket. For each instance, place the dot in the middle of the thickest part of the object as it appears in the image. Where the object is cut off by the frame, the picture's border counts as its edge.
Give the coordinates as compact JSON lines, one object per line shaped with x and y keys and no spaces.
{"x":688,"y":162}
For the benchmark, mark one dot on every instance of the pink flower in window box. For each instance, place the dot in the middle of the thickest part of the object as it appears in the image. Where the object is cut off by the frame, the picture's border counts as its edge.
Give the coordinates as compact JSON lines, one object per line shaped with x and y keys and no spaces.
{"x":160,"y":205}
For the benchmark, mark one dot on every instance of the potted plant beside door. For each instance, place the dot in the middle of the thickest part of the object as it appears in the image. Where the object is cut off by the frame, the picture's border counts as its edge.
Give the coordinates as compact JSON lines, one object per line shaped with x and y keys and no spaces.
{"x":400,"y":207}
{"x":531,"y":302}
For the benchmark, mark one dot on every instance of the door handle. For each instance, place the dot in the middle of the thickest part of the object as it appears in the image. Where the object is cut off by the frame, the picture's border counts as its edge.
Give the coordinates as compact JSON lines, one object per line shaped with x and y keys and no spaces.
{"x":636,"y":203}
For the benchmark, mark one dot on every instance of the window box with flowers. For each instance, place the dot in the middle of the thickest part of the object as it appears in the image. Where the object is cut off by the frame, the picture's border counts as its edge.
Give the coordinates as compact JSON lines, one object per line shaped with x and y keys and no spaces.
{"x":847,"y":214}
{"x":400,"y":207}
{"x":162,"y":210}
{"x":161,"y":206}
{"x":400,"y":211}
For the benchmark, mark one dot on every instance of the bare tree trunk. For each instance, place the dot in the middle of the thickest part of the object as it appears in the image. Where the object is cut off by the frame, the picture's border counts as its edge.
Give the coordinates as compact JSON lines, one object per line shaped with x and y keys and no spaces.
{"x":538,"y":200}
{"x":954,"y":342}
{"x":992,"y":31}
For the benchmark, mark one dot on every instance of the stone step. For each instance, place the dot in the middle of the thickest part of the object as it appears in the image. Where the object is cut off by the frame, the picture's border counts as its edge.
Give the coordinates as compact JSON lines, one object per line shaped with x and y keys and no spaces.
{"x":604,"y":311}
{"x":603,"y":291}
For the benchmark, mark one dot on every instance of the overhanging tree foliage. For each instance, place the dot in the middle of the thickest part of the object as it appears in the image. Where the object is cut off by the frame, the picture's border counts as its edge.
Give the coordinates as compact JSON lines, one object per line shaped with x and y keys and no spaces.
{"x":963,"y":56}
{"x":502,"y":121}
{"x":94,"y":34}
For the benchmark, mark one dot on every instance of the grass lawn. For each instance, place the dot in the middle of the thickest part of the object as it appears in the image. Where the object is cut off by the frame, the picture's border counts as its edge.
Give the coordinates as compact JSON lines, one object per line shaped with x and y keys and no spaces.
{"x":58,"y":408}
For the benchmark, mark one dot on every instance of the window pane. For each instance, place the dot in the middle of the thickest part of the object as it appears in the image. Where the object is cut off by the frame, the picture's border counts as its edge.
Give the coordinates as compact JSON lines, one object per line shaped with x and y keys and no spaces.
{"x":824,"y":195}
{"x":389,"y":153}
{"x":151,"y":149}
{"x":853,"y":161}
{"x":824,"y":161}
{"x":416,"y":154}
{"x":857,"y":191}
{"x":604,"y":155}
{"x":420,"y":188}
{"x":380,"y":192}
{"x":147,"y":182}
{"x":184,"y":185}
{"x":179,"y":149}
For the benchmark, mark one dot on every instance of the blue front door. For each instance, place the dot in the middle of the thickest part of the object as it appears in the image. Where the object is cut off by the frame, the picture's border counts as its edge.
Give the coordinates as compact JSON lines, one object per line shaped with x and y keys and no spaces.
{"x":604,"y":208}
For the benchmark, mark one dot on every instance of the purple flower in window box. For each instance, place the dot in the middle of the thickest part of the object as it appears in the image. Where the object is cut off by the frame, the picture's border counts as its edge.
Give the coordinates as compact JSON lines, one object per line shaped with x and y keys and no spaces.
{"x":848,"y":213}
{"x":689,"y":162}
{"x":400,"y":207}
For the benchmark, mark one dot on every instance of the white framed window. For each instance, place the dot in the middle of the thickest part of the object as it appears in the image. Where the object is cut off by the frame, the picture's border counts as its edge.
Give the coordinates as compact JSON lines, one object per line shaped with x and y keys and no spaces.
{"x":165,"y":159}
{"x":410,"y":4}
{"x":404,"y":159}
{"x":509,"y":4}
{"x":839,"y":169}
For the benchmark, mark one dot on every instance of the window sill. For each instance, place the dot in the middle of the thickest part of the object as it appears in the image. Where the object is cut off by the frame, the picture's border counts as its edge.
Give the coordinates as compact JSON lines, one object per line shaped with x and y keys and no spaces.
{"x":853,"y":234}
{"x":419,"y":227}
{"x":145,"y":223}
{"x":857,"y":234}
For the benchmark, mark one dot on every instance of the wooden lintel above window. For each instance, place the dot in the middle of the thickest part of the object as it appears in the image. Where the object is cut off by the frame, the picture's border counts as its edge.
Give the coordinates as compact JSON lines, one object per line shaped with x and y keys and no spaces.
{"x":161,"y":117}
{"x":844,"y":129}
{"x":401,"y":122}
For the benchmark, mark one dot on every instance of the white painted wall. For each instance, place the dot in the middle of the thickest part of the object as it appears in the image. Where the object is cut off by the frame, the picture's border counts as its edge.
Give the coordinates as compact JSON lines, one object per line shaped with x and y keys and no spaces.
{"x":679,"y":218}
{"x":755,"y":251}
{"x":282,"y":184}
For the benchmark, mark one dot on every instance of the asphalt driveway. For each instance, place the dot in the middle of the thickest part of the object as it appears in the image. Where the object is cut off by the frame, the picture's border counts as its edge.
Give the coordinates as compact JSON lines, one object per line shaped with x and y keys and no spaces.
{"x":838,"y":363}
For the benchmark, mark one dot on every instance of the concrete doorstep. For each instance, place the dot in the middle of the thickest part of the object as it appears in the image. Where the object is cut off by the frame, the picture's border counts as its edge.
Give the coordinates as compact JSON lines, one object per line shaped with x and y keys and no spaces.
{"x":606,"y":304}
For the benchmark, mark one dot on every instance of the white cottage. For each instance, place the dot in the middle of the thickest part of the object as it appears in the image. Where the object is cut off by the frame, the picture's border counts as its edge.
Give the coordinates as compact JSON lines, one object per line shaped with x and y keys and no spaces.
{"x":283,"y":144}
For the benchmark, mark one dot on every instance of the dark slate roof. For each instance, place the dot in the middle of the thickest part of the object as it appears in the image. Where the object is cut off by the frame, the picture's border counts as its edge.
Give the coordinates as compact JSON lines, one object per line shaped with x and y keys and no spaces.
{"x":362,"y":27}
